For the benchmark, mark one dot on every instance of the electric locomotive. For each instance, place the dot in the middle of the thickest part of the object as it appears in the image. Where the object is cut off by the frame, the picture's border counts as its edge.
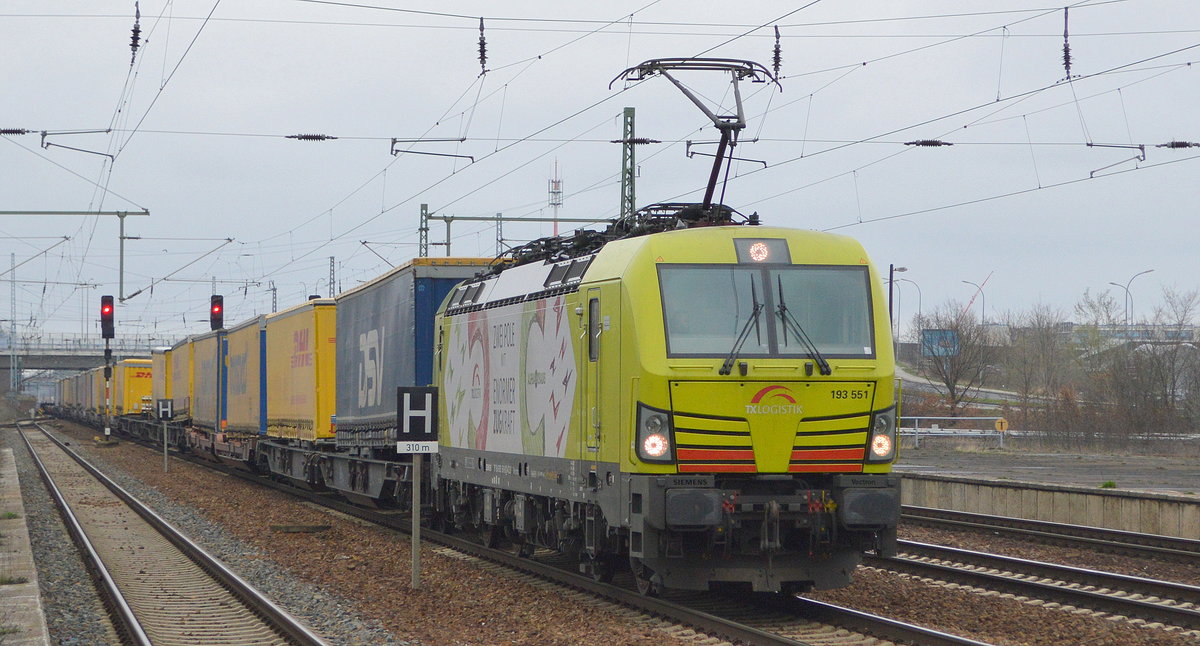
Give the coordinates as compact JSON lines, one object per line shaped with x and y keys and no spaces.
{"x":706,"y":400}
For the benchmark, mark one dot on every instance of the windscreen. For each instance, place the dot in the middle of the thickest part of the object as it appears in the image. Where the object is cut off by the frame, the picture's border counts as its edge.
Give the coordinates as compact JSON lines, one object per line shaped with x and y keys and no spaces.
{"x":707,"y":307}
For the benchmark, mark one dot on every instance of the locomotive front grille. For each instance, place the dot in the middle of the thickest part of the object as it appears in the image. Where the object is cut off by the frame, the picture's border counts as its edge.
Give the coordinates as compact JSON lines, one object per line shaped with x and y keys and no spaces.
{"x":830,"y":445}
{"x":713,"y":444}
{"x":723,"y":445}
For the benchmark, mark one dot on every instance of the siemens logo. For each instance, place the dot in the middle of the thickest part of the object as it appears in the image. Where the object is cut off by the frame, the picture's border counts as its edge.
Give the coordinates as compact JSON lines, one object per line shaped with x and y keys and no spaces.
{"x":774,"y":409}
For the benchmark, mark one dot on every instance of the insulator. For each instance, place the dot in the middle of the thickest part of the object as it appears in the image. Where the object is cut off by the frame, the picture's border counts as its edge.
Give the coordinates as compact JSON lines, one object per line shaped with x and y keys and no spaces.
{"x":135,"y":39}
{"x":931,"y":143}
{"x":637,"y":141}
{"x":14,"y":131}
{"x":1066,"y":42}
{"x":1179,"y":144}
{"x":777,"y":59}
{"x":308,"y":137}
{"x":482,"y":49}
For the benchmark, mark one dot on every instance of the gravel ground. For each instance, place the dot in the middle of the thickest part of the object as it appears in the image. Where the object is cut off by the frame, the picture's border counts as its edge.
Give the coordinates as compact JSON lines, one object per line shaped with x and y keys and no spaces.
{"x":74,"y":614}
{"x":1188,"y":573}
{"x":458,"y":604}
{"x":350,"y":583}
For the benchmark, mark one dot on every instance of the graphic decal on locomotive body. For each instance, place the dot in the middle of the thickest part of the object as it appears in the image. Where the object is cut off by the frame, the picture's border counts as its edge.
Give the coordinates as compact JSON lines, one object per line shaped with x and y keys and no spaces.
{"x":510,"y":379}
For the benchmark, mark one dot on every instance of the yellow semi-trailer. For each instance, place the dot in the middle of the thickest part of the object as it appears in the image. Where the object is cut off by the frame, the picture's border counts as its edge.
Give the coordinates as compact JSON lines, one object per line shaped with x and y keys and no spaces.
{"x":179,"y":359}
{"x":207,"y":381}
{"x":245,"y":343}
{"x":711,"y":405}
{"x":132,"y":386}
{"x":96,"y":392}
{"x":301,"y":380}
{"x":160,"y":376}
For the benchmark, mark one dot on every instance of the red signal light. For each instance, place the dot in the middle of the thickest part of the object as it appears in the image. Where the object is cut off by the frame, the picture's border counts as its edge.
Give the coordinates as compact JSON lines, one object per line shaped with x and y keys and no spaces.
{"x":107,"y":327}
{"x":216,"y":312}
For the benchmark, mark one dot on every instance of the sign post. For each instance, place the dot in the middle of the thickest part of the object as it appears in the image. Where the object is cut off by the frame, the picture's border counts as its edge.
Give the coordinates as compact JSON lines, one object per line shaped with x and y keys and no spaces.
{"x":416,"y":434}
{"x":166,"y":411}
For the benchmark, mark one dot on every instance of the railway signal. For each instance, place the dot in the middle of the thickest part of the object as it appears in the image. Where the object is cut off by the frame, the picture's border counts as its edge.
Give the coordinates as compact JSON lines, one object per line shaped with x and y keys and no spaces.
{"x":216,"y":311}
{"x":106,"y":317}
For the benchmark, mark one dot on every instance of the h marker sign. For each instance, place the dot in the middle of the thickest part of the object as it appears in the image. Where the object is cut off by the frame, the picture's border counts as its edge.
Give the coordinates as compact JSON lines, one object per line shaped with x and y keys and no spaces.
{"x":416,"y":420}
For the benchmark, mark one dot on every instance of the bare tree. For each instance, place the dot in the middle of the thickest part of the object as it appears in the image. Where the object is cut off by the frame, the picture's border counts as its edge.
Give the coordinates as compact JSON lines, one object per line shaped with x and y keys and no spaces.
{"x":1037,"y":354}
{"x":1097,"y":310}
{"x":958,"y":352}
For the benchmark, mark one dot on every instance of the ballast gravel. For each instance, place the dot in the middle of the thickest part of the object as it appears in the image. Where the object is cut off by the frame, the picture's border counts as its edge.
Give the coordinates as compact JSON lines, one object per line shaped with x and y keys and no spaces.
{"x":351,"y":582}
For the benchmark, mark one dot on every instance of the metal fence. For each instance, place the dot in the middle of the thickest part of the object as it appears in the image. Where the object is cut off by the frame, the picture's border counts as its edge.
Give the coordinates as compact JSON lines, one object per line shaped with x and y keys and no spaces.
{"x":927,"y":427}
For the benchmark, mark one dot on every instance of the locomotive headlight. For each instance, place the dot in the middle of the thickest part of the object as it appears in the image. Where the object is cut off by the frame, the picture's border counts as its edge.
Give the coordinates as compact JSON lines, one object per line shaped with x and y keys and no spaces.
{"x":655,"y":445}
{"x":883,"y":437}
{"x":881,"y":446}
{"x":654,"y":435}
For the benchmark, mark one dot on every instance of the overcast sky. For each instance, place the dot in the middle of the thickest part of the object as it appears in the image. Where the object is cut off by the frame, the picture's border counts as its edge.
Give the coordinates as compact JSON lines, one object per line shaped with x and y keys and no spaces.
{"x":1043,"y":195}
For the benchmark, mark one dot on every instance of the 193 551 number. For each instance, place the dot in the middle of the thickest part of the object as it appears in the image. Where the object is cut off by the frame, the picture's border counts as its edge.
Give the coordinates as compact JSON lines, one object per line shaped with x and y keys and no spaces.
{"x":848,"y":394}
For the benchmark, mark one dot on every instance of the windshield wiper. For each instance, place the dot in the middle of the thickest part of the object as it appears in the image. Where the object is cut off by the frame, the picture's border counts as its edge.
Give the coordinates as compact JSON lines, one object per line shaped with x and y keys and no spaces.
{"x":790,"y":321}
{"x":727,"y":365}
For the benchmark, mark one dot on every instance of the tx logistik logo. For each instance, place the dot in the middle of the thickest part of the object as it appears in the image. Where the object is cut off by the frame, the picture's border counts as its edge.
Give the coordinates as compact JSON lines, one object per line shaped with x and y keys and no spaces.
{"x":778,"y":401}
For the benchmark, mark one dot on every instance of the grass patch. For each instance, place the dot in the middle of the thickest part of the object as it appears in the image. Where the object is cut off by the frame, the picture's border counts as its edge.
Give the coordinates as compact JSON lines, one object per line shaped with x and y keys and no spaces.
{"x":13,"y":580}
{"x":1108,"y":484}
{"x":9,"y":515}
{"x":9,"y":630}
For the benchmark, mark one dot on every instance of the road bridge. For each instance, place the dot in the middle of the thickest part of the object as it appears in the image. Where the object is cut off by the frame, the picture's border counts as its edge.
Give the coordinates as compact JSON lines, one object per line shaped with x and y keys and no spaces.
{"x":67,"y":352}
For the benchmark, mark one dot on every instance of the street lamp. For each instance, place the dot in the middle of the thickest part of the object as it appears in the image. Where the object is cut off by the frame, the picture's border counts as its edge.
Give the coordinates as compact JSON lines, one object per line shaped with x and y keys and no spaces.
{"x":892,"y":271}
{"x":982,"y":302}
{"x":1128,"y":302}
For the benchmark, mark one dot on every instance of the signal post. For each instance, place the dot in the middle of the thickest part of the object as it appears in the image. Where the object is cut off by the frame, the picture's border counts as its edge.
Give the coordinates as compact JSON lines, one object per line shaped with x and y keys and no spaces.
{"x":107,"y":330}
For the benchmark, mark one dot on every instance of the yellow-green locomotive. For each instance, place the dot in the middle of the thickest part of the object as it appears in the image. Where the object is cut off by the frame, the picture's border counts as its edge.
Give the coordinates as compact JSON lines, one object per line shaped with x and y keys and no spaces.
{"x":705,"y":400}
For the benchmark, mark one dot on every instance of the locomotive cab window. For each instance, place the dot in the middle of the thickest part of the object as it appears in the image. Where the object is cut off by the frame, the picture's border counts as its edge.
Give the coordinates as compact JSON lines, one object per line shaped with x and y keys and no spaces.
{"x":594,"y":329}
{"x":707,"y":307}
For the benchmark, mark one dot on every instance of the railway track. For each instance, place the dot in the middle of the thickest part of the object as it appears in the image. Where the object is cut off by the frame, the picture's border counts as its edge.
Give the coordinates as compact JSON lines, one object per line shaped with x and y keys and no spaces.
{"x":1168,"y":603}
{"x":769,"y":620}
{"x":159,"y":587}
{"x":1097,"y":538}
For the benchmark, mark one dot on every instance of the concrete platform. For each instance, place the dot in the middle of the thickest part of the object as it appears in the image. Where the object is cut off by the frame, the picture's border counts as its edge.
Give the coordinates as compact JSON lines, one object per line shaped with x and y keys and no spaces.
{"x":21,"y":619}
{"x":1153,"y":495}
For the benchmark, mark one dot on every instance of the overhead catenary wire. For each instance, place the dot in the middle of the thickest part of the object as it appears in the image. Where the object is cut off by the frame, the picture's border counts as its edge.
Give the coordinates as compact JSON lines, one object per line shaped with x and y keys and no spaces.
{"x":350,"y":213}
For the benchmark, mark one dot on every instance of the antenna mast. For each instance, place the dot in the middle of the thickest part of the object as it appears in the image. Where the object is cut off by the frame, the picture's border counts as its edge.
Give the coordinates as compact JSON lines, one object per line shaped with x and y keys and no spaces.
{"x":556,"y":198}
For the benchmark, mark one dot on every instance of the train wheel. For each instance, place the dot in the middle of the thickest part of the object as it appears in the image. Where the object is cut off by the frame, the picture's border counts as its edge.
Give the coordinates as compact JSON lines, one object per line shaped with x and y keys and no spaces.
{"x":440,"y":522}
{"x":603,"y":568}
{"x":644,"y":578}
{"x":492,"y":535}
{"x":523,"y":549}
